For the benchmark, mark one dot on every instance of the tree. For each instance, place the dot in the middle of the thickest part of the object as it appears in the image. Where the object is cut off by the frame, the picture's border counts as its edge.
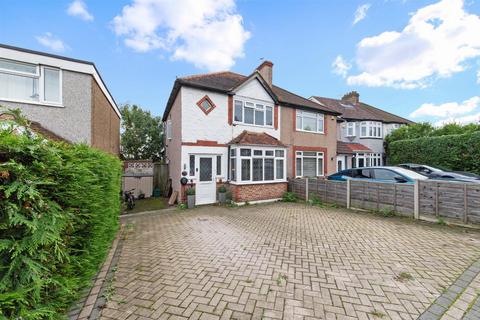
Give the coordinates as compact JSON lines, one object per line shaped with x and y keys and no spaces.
{"x":142,"y":134}
{"x":412,"y":131}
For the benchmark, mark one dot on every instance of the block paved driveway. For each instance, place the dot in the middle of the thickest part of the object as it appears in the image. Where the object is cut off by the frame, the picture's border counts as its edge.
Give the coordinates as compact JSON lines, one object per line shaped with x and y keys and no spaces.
{"x":284,"y":261}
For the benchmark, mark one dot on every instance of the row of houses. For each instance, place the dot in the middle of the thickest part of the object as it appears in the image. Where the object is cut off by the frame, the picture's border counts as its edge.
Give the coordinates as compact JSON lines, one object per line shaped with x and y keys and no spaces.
{"x":247,"y":132}
{"x":220,"y":128}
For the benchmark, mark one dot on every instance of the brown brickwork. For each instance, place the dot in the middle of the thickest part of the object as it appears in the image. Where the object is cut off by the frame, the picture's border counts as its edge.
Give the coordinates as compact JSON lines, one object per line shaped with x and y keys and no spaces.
{"x":255,"y":192}
{"x":105,"y":122}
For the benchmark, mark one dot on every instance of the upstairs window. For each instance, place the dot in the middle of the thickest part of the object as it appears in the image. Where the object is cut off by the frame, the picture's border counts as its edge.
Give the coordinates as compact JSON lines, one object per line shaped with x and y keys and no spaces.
{"x":350,"y":129}
{"x":371,"y":129}
{"x":256,"y":114}
{"x":310,"y":121}
{"x":26,"y":82}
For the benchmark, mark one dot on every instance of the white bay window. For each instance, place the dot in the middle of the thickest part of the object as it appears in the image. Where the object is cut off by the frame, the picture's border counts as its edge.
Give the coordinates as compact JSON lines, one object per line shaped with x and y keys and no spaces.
{"x":24,"y":82}
{"x":371,"y":129}
{"x":257,"y":164}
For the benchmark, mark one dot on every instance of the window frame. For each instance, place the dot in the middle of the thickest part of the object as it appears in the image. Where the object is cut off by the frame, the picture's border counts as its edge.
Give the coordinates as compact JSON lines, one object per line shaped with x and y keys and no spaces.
{"x":258,"y":153}
{"x":256,"y":106}
{"x":318,"y":116}
{"x":373,"y":129}
{"x":299,"y":154}
{"x":39,"y":76}
{"x":348,"y":126}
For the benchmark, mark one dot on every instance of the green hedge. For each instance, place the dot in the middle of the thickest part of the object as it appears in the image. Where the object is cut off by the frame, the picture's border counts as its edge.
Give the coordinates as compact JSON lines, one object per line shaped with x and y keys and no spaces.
{"x":59,"y":207}
{"x":455,"y":152}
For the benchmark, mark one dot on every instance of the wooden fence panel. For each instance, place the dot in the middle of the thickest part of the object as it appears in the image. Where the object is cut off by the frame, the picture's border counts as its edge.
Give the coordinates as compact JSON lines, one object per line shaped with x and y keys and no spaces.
{"x":473,"y":202}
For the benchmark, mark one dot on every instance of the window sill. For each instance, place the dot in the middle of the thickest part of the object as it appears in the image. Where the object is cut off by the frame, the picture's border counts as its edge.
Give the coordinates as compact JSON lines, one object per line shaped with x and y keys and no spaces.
{"x":251,"y":125}
{"x":257,"y":182}
{"x":306,"y":131}
{"x":37,"y":103}
{"x":302,"y":177}
{"x":380,"y":138}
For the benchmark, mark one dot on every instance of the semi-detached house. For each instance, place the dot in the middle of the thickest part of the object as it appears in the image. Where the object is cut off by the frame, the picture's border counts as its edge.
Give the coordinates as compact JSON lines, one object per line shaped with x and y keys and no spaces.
{"x":245,"y":132}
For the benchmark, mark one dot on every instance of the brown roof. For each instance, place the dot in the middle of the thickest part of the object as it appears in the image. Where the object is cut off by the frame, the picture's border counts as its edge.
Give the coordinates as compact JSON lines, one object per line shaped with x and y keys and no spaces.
{"x":227,"y":81}
{"x":347,"y":148}
{"x":256,"y":138}
{"x":360,"y":111}
{"x":39,"y":129}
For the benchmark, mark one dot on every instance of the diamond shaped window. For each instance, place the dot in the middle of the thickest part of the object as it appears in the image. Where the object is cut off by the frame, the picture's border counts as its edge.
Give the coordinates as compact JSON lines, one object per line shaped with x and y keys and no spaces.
{"x":206,"y":104}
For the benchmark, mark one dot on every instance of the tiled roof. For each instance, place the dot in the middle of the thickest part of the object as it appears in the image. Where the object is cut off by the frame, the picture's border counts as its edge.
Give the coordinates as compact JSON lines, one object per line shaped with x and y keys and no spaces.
{"x":256,"y":138}
{"x":46,"y":133}
{"x":360,"y":111}
{"x":227,"y":81}
{"x":347,"y":148}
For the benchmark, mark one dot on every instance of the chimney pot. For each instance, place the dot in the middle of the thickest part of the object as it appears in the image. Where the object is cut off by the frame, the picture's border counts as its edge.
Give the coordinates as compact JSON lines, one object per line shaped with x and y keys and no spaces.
{"x":266,"y":71}
{"x":352,"y":97}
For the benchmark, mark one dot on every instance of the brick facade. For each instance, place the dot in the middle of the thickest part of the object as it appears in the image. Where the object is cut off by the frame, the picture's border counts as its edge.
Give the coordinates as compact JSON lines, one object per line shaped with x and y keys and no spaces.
{"x":255,"y":192}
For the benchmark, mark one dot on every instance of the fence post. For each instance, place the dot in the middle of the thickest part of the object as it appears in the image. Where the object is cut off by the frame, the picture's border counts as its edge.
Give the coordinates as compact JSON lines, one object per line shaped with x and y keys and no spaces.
{"x":395,"y":197}
{"x":465,"y":201}
{"x":349,"y":184}
{"x":416,"y":200}
{"x":436,"y":200}
{"x":306,"y":189}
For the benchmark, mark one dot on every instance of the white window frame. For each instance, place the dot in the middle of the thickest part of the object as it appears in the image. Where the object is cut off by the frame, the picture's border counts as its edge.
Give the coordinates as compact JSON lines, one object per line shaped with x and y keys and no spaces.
{"x":373,"y":129}
{"x":319,"y":155}
{"x":369,"y":159}
{"x":39,"y":75}
{"x":319,"y":117}
{"x":256,"y":105}
{"x":350,"y":126}
{"x":238,"y":163}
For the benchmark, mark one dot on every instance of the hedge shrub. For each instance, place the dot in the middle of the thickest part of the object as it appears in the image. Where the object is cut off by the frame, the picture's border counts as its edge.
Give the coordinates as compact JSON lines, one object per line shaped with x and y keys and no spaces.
{"x":455,"y":152}
{"x":59,"y":207}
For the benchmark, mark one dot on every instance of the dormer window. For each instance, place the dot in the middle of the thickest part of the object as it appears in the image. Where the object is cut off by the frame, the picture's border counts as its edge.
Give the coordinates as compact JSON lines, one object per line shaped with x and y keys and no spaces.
{"x":206,"y":104}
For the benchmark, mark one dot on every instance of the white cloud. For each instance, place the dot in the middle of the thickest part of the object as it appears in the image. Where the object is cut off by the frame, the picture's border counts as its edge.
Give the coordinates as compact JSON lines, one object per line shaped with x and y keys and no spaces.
{"x":361,"y":12}
{"x":340,"y":66}
{"x":448,"y":109}
{"x":209,"y":33}
{"x":437,"y":42}
{"x":78,"y":8}
{"x":474,"y":118}
{"x":52,"y":42}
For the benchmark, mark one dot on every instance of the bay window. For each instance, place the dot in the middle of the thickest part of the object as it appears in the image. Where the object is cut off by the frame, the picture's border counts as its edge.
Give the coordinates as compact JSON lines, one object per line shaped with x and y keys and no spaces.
{"x":257,"y":164}
{"x":258,"y":114}
{"x":308,"y":164}
{"x":26,"y":82}
{"x":309,"y":121}
{"x":371,"y":129}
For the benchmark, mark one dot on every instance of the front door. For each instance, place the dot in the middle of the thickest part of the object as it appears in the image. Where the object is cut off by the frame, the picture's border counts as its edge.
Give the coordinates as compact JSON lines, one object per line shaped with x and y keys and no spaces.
{"x":205,"y":189}
{"x":340,"y":163}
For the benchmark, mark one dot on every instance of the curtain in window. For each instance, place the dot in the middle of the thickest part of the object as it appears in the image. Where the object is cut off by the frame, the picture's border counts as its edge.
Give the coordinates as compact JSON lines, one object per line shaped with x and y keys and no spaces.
{"x":18,"y":87}
{"x":309,"y":167}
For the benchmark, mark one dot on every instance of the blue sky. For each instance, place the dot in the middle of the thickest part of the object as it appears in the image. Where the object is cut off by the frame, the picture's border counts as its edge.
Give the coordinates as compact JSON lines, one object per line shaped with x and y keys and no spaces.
{"x":418,"y":59}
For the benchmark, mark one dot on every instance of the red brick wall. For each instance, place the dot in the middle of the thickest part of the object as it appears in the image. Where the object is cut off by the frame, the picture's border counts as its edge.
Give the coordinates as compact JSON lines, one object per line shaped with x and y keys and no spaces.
{"x":254,"y":192}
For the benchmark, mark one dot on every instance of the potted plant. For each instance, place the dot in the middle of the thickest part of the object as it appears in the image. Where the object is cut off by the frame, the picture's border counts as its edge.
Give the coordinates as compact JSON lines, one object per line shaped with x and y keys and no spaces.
{"x":191,"y":197}
{"x":222,"y":194}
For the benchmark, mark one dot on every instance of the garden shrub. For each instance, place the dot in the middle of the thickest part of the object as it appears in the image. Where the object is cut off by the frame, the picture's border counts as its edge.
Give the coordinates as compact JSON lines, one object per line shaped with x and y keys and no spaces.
{"x":59,"y":207}
{"x":289,"y":197}
{"x":455,"y":152}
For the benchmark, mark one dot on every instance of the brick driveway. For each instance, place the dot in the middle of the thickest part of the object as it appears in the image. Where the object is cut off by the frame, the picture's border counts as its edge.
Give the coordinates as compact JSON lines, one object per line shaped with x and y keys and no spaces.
{"x":284,"y":261}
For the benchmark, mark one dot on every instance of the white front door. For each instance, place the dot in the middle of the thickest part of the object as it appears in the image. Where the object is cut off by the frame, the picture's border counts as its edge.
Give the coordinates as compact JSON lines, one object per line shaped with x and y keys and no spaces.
{"x":205,"y":189}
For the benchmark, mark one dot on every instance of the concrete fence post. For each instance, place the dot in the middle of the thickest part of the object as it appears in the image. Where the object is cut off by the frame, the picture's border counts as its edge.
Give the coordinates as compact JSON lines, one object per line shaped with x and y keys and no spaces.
{"x":465,"y":202}
{"x":306,"y":189}
{"x":349,"y":190}
{"x":416,"y":200}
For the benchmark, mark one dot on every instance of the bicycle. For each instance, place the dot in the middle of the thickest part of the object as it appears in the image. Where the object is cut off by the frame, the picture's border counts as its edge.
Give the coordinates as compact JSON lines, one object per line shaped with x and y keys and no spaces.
{"x":129,"y":199}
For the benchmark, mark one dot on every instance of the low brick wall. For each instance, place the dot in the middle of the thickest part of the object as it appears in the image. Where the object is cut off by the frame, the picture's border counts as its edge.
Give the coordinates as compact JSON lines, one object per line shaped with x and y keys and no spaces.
{"x":255,"y":192}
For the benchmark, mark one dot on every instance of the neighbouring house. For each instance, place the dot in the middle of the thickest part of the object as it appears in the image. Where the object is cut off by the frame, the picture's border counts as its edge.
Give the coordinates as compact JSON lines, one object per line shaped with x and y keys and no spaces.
{"x":64,"y":98}
{"x":246,"y":132}
{"x":361,"y":130}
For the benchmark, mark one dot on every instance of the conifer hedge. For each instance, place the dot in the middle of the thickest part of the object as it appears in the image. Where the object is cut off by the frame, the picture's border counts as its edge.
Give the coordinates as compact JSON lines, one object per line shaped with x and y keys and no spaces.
{"x":459,"y":152}
{"x":59,"y":207}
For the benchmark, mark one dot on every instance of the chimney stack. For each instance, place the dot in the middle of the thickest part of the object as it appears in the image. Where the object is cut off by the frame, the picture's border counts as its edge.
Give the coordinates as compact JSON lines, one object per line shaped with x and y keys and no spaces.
{"x":266,"y":70}
{"x":352,"y":97}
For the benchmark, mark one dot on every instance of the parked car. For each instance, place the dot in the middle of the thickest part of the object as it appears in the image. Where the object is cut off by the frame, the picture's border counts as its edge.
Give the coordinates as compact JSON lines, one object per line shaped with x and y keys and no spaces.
{"x":441,"y":173}
{"x":379,"y":174}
